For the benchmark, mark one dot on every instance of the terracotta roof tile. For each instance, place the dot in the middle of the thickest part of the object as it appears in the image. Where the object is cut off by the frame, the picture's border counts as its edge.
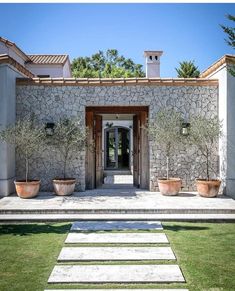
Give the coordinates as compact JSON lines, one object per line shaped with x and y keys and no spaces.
{"x":118,"y":81}
{"x":48,"y":59}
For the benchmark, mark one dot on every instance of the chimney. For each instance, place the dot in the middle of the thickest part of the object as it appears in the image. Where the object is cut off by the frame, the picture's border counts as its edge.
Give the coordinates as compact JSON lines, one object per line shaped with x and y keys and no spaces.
{"x":152,"y":61}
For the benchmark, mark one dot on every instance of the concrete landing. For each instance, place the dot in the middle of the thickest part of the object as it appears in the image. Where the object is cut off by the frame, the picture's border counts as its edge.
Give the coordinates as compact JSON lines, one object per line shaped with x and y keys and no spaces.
{"x":115,"y":254}
{"x":116,"y":274}
{"x":115,"y":225}
{"x":133,"y":238}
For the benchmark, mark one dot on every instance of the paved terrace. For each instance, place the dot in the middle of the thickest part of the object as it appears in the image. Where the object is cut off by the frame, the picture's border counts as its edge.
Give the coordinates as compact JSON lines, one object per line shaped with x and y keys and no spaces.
{"x":103,"y":200}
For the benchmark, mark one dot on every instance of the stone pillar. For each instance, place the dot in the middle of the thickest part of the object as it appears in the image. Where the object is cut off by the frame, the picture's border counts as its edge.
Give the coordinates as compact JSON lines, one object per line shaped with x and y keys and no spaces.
{"x":7,"y":116}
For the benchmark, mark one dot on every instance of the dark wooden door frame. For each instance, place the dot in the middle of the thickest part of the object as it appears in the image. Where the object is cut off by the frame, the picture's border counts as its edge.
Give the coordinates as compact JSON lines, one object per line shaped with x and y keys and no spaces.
{"x":143,"y":156}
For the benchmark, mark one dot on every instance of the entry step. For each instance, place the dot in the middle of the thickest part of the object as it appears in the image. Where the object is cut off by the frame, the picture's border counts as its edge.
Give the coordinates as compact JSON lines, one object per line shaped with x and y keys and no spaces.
{"x":123,"y":238}
{"x":116,"y":274}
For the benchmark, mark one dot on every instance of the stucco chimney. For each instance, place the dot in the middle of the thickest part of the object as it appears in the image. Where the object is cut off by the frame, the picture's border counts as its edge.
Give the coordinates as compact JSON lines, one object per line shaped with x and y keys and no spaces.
{"x":152,"y":62}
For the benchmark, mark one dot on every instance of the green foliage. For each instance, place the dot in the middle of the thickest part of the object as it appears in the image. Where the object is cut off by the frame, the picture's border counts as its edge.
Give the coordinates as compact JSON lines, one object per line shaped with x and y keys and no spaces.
{"x":204,"y":133}
{"x":27,"y":138}
{"x":107,"y":64}
{"x":187,"y":69}
{"x":69,"y":139}
{"x":230,"y":31}
{"x":165,"y":131}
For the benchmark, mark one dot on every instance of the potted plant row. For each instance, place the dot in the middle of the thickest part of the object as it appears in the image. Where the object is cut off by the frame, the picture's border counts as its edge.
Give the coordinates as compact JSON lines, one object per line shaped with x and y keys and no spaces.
{"x":166,"y":132}
{"x":29,"y":139}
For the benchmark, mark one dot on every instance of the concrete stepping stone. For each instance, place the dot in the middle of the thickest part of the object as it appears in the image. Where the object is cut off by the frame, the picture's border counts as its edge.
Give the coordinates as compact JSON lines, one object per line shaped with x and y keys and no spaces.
{"x":116,"y":225}
{"x":116,"y":274}
{"x":115,"y":253}
{"x":117,"y":290}
{"x":133,"y":238}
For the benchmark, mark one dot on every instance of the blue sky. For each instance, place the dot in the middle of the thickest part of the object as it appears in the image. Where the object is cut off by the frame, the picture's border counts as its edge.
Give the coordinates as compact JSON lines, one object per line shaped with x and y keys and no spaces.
{"x":182,"y":31}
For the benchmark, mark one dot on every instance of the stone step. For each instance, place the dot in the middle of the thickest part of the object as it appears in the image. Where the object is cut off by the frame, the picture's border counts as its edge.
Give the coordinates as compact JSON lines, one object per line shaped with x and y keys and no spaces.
{"x":110,"y":211}
{"x":20,"y":218}
{"x":116,"y":274}
{"x":115,"y":225}
{"x":116,"y":290}
{"x":133,"y":238}
{"x":115,"y":254}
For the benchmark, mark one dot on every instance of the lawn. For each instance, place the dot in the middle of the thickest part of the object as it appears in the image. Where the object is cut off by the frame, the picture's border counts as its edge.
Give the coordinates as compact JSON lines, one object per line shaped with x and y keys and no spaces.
{"x":205,"y":253}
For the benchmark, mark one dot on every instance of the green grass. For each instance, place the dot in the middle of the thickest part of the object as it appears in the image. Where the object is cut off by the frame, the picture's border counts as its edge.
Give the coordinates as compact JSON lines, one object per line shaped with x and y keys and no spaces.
{"x":205,"y":252}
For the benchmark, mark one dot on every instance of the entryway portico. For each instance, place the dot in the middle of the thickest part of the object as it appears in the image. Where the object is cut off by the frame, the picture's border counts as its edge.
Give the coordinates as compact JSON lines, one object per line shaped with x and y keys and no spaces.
{"x":121,"y":148}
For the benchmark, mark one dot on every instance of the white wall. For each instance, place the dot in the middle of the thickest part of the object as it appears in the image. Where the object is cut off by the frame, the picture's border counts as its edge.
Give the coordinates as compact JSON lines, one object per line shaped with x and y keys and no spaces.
{"x":12,"y":53}
{"x":7,"y":116}
{"x":67,"y":70}
{"x":55,"y":71}
{"x":227,"y":116}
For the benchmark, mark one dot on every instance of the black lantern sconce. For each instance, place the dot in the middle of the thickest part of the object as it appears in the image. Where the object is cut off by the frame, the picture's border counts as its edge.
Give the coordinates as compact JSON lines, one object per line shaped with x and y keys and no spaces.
{"x":185,"y":128}
{"x":49,"y":128}
{"x":109,"y":124}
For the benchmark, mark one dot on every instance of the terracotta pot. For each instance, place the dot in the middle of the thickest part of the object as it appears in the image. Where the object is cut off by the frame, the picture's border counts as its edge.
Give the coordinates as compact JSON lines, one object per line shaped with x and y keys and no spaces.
{"x":27,"y":189}
{"x":64,"y":187}
{"x":207,"y":188}
{"x":169,"y":187}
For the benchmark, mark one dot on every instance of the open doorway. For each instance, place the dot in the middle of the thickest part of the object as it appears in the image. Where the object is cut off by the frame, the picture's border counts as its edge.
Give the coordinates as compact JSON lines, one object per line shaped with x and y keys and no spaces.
{"x":121,"y":147}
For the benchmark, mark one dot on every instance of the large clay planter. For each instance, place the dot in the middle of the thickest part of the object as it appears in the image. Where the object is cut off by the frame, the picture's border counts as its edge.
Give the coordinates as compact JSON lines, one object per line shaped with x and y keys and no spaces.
{"x":63,"y":187}
{"x":207,"y":188}
{"x":27,"y":189}
{"x":169,"y":187}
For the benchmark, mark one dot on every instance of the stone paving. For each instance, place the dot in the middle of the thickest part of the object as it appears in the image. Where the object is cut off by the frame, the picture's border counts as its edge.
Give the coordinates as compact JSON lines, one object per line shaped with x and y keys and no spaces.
{"x":116,"y":238}
{"x":117,"y":199}
{"x":116,"y":273}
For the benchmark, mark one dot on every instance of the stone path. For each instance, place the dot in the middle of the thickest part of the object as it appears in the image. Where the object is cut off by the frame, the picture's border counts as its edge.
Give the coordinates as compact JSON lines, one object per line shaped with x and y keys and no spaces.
{"x":116,"y":273}
{"x":115,"y":253}
{"x":133,"y":238}
{"x":116,"y":225}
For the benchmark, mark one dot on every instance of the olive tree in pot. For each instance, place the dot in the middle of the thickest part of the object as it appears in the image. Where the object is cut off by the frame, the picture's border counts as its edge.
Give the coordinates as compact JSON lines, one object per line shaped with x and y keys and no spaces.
{"x":69,"y":139}
{"x":205,"y":133}
{"x":165,"y":133}
{"x":27,"y":139}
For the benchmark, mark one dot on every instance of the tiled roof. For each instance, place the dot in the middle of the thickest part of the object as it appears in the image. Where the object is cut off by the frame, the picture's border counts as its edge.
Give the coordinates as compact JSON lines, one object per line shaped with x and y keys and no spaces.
{"x":12,"y":44}
{"x":119,"y":81}
{"x":48,"y":59}
{"x":230,"y":59}
{"x":5,"y":59}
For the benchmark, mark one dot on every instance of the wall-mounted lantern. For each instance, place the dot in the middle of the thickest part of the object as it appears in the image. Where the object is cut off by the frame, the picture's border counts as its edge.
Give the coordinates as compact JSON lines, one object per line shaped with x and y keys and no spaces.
{"x":109,"y":124}
{"x":49,"y":128}
{"x":185,"y":128}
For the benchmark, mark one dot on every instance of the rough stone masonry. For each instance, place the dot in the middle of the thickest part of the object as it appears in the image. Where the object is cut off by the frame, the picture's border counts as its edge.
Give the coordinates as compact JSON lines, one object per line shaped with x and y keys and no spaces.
{"x":51,"y":102}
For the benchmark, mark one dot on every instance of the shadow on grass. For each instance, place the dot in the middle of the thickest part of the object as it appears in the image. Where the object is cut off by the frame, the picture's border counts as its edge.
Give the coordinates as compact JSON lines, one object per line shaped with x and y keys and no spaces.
{"x":184,"y":227}
{"x":29,"y":229}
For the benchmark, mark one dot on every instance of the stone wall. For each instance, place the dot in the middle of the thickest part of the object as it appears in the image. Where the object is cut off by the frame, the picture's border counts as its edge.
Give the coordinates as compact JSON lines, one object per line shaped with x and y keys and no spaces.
{"x":49,"y":103}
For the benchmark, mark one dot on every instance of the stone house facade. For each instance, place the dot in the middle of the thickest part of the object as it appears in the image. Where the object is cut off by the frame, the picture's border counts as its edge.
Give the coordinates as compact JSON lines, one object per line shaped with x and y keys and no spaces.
{"x":133,"y":101}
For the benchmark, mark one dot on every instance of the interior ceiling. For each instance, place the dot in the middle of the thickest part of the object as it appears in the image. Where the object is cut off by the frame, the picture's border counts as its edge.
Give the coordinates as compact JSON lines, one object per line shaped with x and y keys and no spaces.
{"x":117,"y":116}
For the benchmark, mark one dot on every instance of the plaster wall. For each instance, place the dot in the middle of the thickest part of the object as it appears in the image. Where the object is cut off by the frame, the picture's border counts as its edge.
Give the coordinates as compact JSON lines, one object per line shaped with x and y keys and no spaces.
{"x":12,"y":53}
{"x":50,"y":103}
{"x":54,"y":71}
{"x":7,"y":117}
{"x":226,"y":105}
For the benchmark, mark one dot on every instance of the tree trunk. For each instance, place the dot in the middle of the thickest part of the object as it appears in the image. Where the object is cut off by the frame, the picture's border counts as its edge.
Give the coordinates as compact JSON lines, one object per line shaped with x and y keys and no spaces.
{"x":26,"y":168}
{"x":207,"y":165}
{"x":65,"y":163}
{"x":167,"y":167}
